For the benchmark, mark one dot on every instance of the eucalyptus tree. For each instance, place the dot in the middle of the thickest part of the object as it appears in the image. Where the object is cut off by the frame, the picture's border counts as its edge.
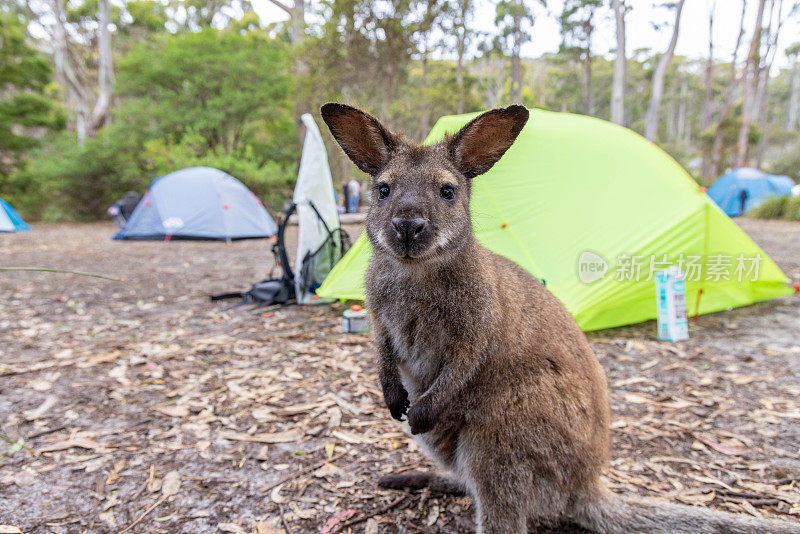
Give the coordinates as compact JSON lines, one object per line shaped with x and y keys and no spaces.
{"x":76,"y":34}
{"x":514,"y":20}
{"x":457,"y":22}
{"x":620,"y":65}
{"x":577,"y":21}
{"x":705,"y":121}
{"x":25,"y":108}
{"x":749,"y":85}
{"x":657,"y":86}
{"x":793,"y":111}
{"x":729,"y":105}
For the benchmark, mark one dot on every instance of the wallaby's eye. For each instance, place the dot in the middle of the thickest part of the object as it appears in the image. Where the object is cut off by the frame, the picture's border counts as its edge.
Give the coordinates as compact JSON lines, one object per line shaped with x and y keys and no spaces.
{"x":448,"y":192}
{"x":383,"y":191}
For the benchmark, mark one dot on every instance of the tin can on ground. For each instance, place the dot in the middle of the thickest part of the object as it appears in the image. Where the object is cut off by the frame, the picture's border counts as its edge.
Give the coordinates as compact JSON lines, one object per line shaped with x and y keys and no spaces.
{"x":354,"y":320}
{"x":671,"y":302}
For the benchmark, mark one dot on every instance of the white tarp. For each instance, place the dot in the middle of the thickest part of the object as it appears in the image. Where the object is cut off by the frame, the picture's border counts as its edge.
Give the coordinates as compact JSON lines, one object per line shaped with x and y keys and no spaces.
{"x":314,"y":185}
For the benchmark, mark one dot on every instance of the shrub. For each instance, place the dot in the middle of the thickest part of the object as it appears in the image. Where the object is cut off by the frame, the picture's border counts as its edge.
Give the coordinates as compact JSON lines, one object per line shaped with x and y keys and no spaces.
{"x":789,"y":163}
{"x":222,"y":99}
{"x":771,"y":208}
{"x":271,"y":180}
{"x":792,"y":210}
{"x":66,"y":181}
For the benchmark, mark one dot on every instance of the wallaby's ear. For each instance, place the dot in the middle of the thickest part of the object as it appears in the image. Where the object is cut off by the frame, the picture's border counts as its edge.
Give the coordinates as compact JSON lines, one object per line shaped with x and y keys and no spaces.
{"x":361,"y":136}
{"x":482,"y":142}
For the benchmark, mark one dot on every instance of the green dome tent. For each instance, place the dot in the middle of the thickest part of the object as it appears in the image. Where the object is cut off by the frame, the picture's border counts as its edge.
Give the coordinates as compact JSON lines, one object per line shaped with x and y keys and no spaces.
{"x":594,"y":210}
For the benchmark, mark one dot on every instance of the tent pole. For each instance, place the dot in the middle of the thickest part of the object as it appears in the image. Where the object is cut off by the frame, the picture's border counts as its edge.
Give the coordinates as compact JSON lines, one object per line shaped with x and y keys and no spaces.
{"x":701,"y":290}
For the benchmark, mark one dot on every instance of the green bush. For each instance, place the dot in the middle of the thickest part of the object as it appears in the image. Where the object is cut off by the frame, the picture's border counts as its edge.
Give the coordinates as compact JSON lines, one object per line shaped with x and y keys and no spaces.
{"x":771,"y":208}
{"x":271,"y":180}
{"x":63,"y":180}
{"x":217,"y":98}
{"x":789,"y":163}
{"x":792,"y":210}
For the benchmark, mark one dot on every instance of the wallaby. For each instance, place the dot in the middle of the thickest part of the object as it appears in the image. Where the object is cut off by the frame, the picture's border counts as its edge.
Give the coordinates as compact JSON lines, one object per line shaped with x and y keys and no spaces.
{"x":499,"y":384}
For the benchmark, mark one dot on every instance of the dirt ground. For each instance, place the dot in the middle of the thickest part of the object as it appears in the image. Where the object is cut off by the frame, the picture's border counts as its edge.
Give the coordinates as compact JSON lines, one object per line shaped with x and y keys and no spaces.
{"x":140,"y":406}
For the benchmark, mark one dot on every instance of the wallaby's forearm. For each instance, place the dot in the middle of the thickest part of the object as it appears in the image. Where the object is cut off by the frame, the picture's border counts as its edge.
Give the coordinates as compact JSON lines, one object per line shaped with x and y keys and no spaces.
{"x":394,"y":394}
{"x":458,"y":368}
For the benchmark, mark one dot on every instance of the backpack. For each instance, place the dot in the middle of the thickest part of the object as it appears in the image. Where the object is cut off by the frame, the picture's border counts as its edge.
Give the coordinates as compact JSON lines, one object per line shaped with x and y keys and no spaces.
{"x":314,"y":265}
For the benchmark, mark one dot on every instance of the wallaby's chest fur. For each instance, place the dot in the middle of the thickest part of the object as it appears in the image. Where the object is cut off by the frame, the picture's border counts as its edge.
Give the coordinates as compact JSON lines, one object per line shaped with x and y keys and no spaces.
{"x":481,"y":306}
{"x":424,"y":312}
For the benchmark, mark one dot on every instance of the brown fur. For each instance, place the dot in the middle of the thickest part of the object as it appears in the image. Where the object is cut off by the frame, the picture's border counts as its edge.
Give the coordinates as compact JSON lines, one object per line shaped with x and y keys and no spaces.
{"x":500,"y":385}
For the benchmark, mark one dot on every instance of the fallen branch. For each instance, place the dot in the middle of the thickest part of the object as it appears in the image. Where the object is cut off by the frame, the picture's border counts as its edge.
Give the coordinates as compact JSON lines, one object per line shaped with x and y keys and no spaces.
{"x":64,"y":271}
{"x":752,"y":498}
{"x":382,"y":510}
{"x":46,"y":432}
{"x":143,"y":514}
{"x":312,"y":467}
{"x":283,"y":520}
{"x":8,"y":371}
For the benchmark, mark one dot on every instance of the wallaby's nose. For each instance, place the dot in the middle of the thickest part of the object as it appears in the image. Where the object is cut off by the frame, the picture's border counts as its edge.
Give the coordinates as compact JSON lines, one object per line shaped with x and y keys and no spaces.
{"x":407,"y":230}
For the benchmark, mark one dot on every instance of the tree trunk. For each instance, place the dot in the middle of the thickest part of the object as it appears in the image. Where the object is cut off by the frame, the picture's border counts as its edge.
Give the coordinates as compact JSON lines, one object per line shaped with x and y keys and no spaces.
{"x":460,"y":72}
{"x":762,"y":90}
{"x":750,"y":76}
{"x":424,"y":116}
{"x":657,"y":90}
{"x":464,"y":9}
{"x":65,"y":71}
{"x":101,"y":114}
{"x":620,"y":67}
{"x":762,"y":98}
{"x":516,"y":64}
{"x":794,"y":98}
{"x":705,"y":120}
{"x":297,"y":18}
{"x":588,"y":102}
{"x":671,"y":120}
{"x":719,"y":133}
{"x":680,"y":128}
{"x":588,"y":97}
{"x":496,"y":76}
{"x":212,"y":6}
{"x":298,"y":21}
{"x":391,"y":86}
{"x":297,"y":24}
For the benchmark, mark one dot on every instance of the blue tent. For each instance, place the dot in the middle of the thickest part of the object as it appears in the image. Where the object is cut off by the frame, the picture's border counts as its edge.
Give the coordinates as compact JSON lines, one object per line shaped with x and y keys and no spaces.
{"x":726,"y":190}
{"x":198,"y":203}
{"x":10,"y":221}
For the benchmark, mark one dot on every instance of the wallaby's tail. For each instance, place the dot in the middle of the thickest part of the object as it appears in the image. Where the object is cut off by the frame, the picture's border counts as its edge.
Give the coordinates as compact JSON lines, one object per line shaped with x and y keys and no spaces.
{"x":619,"y":515}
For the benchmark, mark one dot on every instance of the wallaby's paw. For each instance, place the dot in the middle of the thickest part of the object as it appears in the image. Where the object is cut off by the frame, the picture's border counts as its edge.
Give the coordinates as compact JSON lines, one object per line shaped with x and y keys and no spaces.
{"x":410,"y":480}
{"x":422,"y":416}
{"x":396,"y":398}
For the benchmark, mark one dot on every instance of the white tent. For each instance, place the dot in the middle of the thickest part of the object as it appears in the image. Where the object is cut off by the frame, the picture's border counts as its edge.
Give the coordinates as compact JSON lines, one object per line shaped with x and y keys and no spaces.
{"x":319,"y":239}
{"x":5,"y":223}
{"x":10,"y":221}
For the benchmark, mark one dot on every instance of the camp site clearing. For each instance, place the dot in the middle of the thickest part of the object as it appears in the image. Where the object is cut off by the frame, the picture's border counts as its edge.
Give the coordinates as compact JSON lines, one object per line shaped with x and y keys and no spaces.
{"x":139,"y":401}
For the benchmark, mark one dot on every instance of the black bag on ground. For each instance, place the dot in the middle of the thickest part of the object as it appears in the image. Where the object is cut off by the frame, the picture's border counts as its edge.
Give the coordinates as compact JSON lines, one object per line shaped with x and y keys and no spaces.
{"x":282,"y":290}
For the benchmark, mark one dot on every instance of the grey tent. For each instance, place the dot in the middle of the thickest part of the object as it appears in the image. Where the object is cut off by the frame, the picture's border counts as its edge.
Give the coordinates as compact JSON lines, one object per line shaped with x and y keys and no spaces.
{"x":198,"y":203}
